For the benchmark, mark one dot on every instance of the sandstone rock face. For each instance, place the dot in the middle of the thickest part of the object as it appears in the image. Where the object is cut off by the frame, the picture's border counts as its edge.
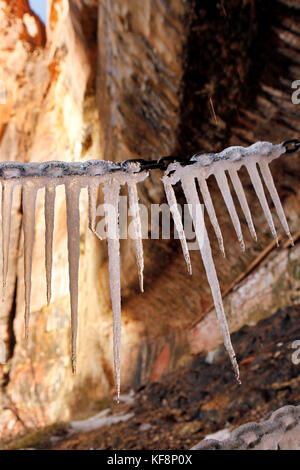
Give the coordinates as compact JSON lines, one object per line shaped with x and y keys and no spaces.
{"x":113,"y":80}
{"x":48,"y":101}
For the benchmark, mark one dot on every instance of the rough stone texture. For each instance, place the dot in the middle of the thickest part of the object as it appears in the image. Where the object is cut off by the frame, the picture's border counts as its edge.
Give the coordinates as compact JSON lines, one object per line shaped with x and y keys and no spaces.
{"x":197,"y":400}
{"x":50,"y":118}
{"x":280,"y":432}
{"x":131,"y":78}
{"x":273,"y":284}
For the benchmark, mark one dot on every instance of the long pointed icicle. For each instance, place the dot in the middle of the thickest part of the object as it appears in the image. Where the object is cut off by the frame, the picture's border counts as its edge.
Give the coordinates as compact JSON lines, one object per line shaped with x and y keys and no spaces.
{"x":73,"y":225}
{"x":7,"y":197}
{"x":242,"y":200}
{"x":49,"y":223}
{"x":171,"y":198}
{"x":189,"y":188}
{"x":92,"y":193}
{"x":268,"y":178}
{"x":257,"y":184}
{"x":211,"y":211}
{"x":135,"y":212}
{"x":28,"y":204}
{"x":111,"y":192}
{"x":225,"y":190}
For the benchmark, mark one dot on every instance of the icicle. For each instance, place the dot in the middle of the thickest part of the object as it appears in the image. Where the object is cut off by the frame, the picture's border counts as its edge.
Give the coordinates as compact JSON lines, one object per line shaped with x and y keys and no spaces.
{"x":135,"y":212}
{"x":268,"y":178}
{"x":242,"y":200}
{"x":73,"y":189}
{"x":28,"y":204}
{"x":7,"y":197}
{"x":111,"y":191}
{"x":225,"y":190}
{"x":257,"y":184}
{"x":49,"y":223}
{"x":92,"y":192}
{"x":189,"y":188}
{"x":211,"y":211}
{"x":171,"y":198}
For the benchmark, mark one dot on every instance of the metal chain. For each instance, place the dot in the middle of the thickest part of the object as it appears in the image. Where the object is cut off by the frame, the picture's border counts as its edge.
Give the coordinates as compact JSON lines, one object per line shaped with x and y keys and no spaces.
{"x":99,"y":167}
{"x":291,"y":146}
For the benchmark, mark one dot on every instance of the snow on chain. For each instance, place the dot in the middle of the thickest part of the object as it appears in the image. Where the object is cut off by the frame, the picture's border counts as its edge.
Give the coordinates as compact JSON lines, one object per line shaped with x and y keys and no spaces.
{"x":75,"y":176}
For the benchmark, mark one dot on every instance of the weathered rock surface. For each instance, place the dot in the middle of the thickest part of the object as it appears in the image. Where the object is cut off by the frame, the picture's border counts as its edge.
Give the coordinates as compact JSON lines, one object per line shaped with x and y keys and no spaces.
{"x":280,"y":432}
{"x":112,"y":82}
{"x":197,"y":400}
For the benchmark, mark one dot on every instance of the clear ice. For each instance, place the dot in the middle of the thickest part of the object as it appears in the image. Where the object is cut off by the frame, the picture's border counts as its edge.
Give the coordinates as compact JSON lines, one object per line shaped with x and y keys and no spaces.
{"x":211,"y":211}
{"x":242,"y":200}
{"x":190,"y":191}
{"x":7,"y":196}
{"x":28,"y":204}
{"x":257,"y":184}
{"x":137,"y":225}
{"x":74,"y":176}
{"x":111,"y":191}
{"x":92,"y":193}
{"x":225,"y":190}
{"x":49,"y":224}
{"x":268,"y":178}
{"x":73,"y":189}
{"x":205,"y":165}
{"x":171,"y":198}
{"x":189,"y":188}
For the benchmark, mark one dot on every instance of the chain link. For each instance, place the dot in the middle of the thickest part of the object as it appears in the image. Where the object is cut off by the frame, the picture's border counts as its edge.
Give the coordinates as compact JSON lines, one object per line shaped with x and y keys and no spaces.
{"x":59,"y":169}
{"x":291,"y":145}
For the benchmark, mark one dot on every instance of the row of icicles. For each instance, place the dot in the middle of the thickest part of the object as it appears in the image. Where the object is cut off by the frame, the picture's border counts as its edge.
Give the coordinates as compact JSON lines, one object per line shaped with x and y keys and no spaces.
{"x":206,"y":164}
